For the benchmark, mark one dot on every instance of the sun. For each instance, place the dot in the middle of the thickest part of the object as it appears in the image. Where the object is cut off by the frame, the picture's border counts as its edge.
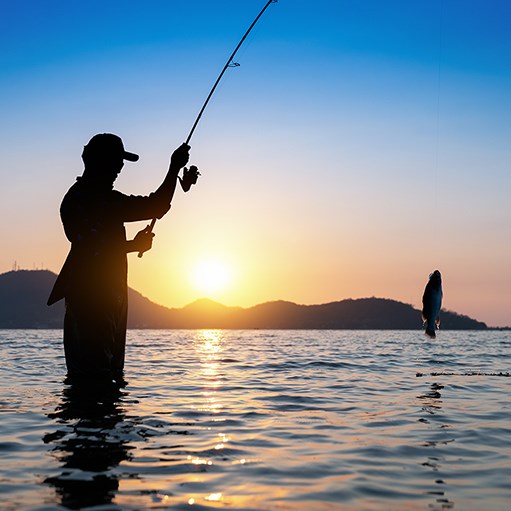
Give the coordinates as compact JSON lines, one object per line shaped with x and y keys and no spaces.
{"x":211,"y":276}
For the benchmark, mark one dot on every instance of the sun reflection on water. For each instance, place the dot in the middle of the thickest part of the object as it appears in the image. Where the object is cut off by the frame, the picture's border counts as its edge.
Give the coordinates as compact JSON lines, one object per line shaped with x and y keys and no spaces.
{"x":208,"y":346}
{"x":208,"y":342}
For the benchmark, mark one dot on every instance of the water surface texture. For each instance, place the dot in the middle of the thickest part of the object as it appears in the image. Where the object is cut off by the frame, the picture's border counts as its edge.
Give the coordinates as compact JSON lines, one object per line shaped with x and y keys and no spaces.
{"x":261,"y":420}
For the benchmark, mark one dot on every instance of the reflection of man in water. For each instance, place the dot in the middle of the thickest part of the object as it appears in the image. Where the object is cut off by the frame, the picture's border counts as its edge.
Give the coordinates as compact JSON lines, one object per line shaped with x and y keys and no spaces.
{"x":92,"y":438}
{"x":93,"y":279}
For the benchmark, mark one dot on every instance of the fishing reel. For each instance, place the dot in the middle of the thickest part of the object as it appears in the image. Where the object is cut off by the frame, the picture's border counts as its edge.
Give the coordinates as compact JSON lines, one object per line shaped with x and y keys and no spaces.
{"x":189,"y":178}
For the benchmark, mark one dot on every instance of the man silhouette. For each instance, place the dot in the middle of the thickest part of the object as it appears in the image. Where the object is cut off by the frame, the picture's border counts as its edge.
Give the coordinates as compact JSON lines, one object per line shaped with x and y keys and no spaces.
{"x":93,"y":280}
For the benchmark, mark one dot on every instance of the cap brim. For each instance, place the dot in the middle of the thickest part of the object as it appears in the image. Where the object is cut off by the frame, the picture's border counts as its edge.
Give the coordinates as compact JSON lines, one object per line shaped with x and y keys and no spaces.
{"x":130,"y":156}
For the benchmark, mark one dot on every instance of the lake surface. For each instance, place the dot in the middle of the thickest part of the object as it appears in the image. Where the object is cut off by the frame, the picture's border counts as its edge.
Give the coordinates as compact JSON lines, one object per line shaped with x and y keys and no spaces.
{"x":261,"y":420}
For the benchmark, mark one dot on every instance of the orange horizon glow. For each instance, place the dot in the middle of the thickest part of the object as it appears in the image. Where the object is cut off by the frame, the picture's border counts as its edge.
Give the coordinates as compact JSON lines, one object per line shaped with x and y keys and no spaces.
{"x":376,"y":154}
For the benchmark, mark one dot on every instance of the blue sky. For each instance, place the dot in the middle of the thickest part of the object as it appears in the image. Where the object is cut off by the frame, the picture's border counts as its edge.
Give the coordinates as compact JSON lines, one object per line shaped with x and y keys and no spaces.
{"x":360,"y":145}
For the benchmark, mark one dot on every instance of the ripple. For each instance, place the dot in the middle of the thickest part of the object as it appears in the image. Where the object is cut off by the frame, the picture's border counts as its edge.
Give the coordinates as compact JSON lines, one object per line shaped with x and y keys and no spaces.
{"x":264,"y":420}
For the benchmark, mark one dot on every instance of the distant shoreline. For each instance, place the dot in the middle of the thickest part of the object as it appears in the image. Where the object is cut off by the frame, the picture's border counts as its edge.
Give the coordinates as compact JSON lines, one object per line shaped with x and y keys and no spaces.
{"x":23,"y":296}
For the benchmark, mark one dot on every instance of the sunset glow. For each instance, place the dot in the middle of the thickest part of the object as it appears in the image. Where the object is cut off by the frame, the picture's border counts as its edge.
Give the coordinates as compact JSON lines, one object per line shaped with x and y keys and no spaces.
{"x":359,"y":145}
{"x":210,"y":277}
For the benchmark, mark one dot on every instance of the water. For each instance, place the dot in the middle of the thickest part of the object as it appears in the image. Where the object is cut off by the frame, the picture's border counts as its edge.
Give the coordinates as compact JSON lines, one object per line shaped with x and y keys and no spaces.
{"x":261,"y":420}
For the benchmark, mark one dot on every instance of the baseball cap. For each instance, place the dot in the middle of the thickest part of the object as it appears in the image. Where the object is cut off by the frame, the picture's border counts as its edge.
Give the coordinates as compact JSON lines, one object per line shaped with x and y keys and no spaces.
{"x":108,"y":144}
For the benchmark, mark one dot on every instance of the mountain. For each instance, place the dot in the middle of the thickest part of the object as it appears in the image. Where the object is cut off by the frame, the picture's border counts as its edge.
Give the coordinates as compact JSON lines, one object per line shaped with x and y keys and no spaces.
{"x":23,"y":296}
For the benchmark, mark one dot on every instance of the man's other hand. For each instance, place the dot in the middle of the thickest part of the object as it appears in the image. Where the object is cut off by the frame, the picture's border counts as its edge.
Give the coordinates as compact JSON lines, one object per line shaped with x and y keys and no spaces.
{"x":143,"y":241}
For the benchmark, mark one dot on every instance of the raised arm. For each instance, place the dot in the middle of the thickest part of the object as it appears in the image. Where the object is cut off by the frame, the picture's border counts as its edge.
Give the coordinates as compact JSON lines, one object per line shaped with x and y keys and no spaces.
{"x":178,"y":160}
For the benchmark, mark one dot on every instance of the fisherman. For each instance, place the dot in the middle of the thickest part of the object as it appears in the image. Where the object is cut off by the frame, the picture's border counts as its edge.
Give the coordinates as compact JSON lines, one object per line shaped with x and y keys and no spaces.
{"x":93,"y":280}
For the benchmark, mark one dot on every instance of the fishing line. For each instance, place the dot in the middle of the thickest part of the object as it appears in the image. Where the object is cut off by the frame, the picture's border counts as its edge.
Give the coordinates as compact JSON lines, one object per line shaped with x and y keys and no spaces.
{"x":434,"y":211}
{"x":230,"y":63}
{"x":439,"y":89}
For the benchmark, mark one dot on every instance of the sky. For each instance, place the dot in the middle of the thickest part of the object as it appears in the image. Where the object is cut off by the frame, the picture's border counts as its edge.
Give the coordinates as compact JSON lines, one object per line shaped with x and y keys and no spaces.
{"x":359,"y":146}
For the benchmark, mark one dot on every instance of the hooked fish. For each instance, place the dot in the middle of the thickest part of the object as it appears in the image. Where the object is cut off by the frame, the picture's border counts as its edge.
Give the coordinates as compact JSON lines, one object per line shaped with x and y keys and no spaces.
{"x":432,"y":303}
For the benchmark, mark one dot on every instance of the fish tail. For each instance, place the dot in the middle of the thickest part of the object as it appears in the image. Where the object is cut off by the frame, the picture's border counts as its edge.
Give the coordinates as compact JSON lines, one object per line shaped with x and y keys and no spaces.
{"x":430,"y":330}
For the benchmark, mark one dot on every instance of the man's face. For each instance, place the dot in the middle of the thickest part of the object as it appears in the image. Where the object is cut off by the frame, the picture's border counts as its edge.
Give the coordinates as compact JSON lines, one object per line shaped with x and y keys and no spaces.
{"x":110,"y":167}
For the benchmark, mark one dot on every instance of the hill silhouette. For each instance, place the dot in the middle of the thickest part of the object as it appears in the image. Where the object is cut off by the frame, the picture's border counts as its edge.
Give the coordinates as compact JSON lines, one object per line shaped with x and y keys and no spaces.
{"x":23,"y":296}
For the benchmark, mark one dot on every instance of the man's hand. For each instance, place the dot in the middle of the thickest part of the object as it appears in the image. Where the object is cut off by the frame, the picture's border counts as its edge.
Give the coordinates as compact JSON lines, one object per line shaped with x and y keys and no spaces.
{"x":143,"y":241}
{"x":180,"y":157}
{"x":189,"y":178}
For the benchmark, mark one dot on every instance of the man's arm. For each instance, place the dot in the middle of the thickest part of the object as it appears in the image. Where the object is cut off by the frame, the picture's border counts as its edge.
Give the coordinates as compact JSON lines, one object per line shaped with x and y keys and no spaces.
{"x":134,"y":208}
{"x":178,"y":160}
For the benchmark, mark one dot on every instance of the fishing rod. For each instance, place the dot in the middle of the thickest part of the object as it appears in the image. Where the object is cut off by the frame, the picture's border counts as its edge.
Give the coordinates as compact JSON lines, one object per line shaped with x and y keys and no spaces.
{"x":230,"y":63}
